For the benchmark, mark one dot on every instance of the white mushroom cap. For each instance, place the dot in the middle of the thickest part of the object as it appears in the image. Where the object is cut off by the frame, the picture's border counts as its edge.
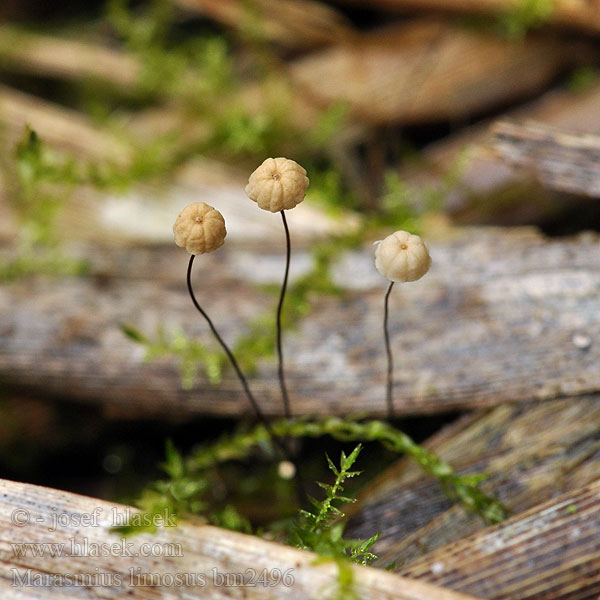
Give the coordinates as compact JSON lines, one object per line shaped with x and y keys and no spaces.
{"x":402,"y":257}
{"x":278,"y":184}
{"x":199,"y":228}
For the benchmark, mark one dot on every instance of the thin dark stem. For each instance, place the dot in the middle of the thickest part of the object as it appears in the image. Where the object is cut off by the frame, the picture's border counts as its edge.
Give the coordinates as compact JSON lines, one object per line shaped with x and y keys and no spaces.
{"x":225,"y":347}
{"x":243,"y":381}
{"x":390,"y":358}
{"x":280,"y":371}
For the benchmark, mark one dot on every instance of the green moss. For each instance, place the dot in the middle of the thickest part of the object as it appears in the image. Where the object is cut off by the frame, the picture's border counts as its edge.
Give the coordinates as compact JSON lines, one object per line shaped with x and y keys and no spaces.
{"x":321,"y":530}
{"x":201,"y":76}
{"x":240,"y":445}
{"x":49,"y":262}
{"x":190,"y":354}
{"x":328,"y":190}
{"x":524,"y":15}
{"x":187,"y":490}
{"x":41,"y":179}
{"x":403,"y":206}
{"x":229,"y":518}
{"x":583,"y":79}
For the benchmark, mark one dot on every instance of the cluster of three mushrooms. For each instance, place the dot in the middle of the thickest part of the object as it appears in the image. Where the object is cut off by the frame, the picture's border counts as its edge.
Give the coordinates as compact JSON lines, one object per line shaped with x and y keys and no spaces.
{"x":277,"y":185}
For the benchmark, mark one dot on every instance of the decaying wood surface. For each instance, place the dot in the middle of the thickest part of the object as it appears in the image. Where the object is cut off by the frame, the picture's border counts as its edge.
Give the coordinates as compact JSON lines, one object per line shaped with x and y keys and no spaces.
{"x":28,"y":53}
{"x":531,"y":453}
{"x":503,"y":316}
{"x":426,"y":71}
{"x":581,"y":14}
{"x":411,"y":72}
{"x":551,"y":551}
{"x":155,"y":565}
{"x":560,"y":159}
{"x":576,"y":111}
{"x":53,"y":56}
{"x":64,"y":127}
{"x":487,"y":189}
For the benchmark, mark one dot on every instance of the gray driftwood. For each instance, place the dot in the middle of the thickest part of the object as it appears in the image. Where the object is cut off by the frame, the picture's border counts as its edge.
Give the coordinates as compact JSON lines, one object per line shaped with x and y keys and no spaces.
{"x":215,"y":562}
{"x":551,"y":552}
{"x":486,"y":188}
{"x":531,"y":453}
{"x":561,"y":160}
{"x":503,"y":316}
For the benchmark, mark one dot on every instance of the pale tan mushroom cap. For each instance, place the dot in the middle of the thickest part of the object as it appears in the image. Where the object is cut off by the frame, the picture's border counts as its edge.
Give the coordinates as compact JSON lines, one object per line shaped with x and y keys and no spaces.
{"x":278,"y":184}
{"x":199,"y":228}
{"x":402,"y":257}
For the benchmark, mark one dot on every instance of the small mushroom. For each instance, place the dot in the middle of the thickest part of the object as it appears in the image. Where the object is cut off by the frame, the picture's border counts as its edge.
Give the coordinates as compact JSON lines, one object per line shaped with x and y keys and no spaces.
{"x":199,"y":228}
{"x":402,"y":257}
{"x":278,"y":184}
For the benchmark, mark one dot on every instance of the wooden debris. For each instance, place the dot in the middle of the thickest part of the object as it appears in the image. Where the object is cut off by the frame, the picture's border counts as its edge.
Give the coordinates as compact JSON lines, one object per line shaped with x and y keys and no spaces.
{"x":63,"y":127}
{"x":583,"y":15}
{"x":551,"y":551}
{"x":409,"y":73}
{"x":52,"y":56}
{"x":183,"y":562}
{"x":426,"y":71}
{"x":531,"y":453}
{"x":498,"y":319}
{"x":561,"y":160}
{"x":298,"y":24}
{"x":487,"y":189}
{"x":43,"y":54}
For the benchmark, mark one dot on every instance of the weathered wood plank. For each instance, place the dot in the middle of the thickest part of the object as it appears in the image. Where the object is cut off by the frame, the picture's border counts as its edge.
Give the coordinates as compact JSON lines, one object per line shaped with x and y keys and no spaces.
{"x":503,"y":316}
{"x":426,"y":71}
{"x":531,"y":453}
{"x":561,"y":160}
{"x":61,"y":126}
{"x":157,"y":565}
{"x":35,"y":54}
{"x":52,"y":56}
{"x":551,"y":551}
{"x":413,"y":72}
{"x":486,"y":188}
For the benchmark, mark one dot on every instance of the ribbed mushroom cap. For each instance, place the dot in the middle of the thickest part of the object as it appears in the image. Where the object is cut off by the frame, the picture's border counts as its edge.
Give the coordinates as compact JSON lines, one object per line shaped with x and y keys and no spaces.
{"x":278,"y":184}
{"x":402,"y":257}
{"x":199,"y":228}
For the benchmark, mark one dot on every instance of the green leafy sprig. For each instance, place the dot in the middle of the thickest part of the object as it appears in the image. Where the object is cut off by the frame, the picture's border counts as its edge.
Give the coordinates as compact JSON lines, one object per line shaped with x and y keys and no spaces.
{"x":321,"y":530}
{"x":462,"y":488}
